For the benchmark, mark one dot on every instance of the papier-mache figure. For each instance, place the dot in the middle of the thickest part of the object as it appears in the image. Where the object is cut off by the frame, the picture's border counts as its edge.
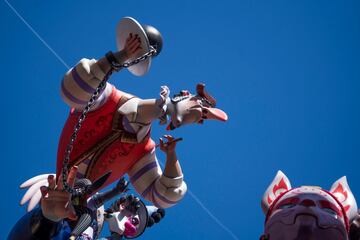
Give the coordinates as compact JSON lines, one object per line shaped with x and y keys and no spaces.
{"x":309,"y":212}
{"x":107,"y":133}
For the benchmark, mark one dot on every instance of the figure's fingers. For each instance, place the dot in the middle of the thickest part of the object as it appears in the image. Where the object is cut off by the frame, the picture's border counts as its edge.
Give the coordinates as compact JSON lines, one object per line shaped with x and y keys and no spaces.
{"x":169,"y":137}
{"x":60,"y":185}
{"x":136,"y":50}
{"x":166,"y":92}
{"x":44,"y":191}
{"x":51,"y":181}
{"x":135,"y":39}
{"x":132,"y":41}
{"x":161,"y":142}
{"x":72,"y":176}
{"x":134,"y":36}
{"x":134,"y":45}
{"x":165,"y":88}
{"x":129,"y":38}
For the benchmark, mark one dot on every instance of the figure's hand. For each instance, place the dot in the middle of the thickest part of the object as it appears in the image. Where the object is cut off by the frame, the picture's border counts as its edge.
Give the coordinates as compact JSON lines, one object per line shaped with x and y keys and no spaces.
{"x":170,"y":145}
{"x":130,"y":50}
{"x":55,"y":202}
{"x":132,"y":45}
{"x":164,"y":93}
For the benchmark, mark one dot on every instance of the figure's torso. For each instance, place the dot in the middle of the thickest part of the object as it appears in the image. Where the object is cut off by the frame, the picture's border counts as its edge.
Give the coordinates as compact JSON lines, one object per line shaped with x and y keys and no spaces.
{"x":98,"y":147}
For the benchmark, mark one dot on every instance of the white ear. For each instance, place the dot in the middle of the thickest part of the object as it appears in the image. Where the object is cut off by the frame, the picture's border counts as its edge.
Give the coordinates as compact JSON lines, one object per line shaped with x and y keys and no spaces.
{"x":279,"y":185}
{"x":341,"y":190}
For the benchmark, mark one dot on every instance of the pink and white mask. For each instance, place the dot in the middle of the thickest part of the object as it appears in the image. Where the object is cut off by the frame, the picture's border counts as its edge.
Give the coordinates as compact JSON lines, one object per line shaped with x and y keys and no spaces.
{"x":187,"y":108}
{"x":307,"y":212}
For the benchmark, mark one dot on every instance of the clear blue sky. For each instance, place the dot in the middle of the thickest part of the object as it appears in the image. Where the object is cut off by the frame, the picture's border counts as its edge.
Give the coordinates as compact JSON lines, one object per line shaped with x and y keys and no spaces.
{"x":286,"y":72}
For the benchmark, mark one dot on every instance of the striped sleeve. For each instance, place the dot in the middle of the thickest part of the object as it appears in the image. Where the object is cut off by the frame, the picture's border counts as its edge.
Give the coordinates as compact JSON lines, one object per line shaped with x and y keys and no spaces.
{"x":80,"y":82}
{"x":147,"y":178}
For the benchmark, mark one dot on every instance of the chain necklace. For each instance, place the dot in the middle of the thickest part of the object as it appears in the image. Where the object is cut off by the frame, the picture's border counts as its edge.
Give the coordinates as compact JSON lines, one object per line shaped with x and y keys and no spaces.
{"x":115,"y":67}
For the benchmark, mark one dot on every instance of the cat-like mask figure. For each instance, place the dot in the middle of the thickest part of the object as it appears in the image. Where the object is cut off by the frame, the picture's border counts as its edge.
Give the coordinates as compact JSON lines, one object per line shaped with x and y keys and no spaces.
{"x":307,"y":212}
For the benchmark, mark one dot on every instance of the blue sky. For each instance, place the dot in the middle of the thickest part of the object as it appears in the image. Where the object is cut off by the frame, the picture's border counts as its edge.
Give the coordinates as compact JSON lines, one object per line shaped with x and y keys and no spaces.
{"x":286,"y":72}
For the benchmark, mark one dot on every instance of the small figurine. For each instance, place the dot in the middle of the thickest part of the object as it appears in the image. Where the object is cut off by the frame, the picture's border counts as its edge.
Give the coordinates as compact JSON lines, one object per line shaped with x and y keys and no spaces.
{"x":309,"y":212}
{"x":128,"y":220}
{"x":127,"y":217}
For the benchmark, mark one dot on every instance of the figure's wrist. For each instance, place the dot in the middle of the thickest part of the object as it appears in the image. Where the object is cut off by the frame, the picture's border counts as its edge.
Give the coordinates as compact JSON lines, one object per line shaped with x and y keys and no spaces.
{"x":116,"y":59}
{"x":171,"y":154}
{"x":121,"y":56}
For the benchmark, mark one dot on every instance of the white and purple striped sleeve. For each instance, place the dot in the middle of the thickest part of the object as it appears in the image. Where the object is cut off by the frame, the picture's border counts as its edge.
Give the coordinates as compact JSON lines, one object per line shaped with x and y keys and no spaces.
{"x":80,"y":82}
{"x":147,"y":178}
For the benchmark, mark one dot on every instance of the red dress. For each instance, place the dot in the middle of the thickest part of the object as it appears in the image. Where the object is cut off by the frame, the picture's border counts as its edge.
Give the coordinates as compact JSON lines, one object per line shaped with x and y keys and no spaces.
{"x":103,"y":142}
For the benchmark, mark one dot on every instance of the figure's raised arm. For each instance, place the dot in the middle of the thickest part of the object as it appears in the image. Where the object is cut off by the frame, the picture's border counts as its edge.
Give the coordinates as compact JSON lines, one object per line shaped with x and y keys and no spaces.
{"x":163,"y":189}
{"x":80,"y":82}
{"x":149,"y":110}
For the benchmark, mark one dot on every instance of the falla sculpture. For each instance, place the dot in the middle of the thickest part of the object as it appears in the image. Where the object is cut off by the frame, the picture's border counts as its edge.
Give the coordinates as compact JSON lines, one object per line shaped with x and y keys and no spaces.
{"x":108,"y":135}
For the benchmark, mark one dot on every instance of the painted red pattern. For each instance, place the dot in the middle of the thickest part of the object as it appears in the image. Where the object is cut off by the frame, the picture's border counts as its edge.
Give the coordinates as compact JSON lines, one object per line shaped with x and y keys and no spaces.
{"x":340,"y":189}
{"x":281,"y":185}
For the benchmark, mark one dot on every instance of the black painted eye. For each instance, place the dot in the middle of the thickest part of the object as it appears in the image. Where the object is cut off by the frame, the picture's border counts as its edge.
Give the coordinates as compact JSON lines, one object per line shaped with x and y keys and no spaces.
{"x":330,"y":211}
{"x":287,"y":206}
{"x":135,"y":221}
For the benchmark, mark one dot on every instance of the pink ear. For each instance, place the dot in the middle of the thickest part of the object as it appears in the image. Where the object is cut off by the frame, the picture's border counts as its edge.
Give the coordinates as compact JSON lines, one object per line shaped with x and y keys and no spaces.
{"x":217,"y":114}
{"x":341,"y":190}
{"x":279,"y":185}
